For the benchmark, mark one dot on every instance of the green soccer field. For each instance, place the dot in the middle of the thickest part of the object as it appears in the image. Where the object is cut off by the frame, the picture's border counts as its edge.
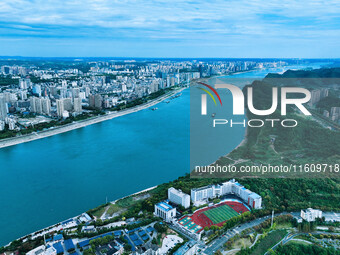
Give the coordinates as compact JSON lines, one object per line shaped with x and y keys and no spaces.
{"x":220,"y":214}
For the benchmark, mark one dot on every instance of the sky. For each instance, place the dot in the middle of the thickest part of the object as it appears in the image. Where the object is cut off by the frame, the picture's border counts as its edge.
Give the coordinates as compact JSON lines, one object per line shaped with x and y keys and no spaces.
{"x":172,"y":28}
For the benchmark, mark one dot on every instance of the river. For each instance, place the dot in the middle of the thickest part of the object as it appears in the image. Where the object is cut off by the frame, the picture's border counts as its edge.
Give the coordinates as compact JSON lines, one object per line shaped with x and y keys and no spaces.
{"x":52,"y":179}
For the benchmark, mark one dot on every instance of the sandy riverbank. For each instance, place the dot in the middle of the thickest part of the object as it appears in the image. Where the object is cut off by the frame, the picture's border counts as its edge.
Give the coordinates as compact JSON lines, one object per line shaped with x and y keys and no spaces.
{"x":79,"y":124}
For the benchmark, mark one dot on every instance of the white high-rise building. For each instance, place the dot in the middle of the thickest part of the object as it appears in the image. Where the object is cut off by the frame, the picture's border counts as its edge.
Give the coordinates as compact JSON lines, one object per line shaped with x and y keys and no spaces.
{"x":68,"y":104}
{"x":178,"y":197}
{"x":75,"y":92}
{"x":60,"y":107}
{"x":64,"y":84}
{"x":11,"y":124}
{"x":2,"y":125}
{"x":3,"y":107}
{"x":38,"y":105}
{"x":22,"y":84}
{"x":77,"y":105}
{"x":46,"y":105}
{"x":23,"y":94}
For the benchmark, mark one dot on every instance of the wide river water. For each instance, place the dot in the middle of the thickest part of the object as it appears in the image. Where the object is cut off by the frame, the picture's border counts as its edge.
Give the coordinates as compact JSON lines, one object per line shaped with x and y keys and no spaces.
{"x":52,"y":179}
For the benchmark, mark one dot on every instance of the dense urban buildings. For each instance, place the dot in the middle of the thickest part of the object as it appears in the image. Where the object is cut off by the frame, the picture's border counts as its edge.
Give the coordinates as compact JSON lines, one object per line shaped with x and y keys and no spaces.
{"x":63,"y":92}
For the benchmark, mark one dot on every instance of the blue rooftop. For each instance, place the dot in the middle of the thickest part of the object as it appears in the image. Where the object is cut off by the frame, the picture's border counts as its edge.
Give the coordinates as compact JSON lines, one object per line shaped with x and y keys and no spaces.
{"x":117,"y":233}
{"x":142,"y":233}
{"x":134,"y":237}
{"x":164,"y":206}
{"x":59,"y":248}
{"x":129,"y":242}
{"x":150,"y":229}
{"x":58,"y":237}
{"x":67,"y":221}
{"x":133,"y":230}
{"x":100,"y":236}
{"x":84,"y":243}
{"x":69,"y":245}
{"x":138,"y":242}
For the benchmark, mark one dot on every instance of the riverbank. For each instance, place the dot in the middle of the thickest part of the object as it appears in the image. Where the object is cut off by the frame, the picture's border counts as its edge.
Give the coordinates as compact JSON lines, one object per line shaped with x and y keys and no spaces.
{"x":80,"y":124}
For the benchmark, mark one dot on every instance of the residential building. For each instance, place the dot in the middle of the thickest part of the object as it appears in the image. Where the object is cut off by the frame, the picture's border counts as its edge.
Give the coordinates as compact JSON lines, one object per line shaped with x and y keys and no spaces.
{"x":77,"y":105}
{"x":46,"y":105}
{"x":3,"y":107}
{"x":60,"y":107}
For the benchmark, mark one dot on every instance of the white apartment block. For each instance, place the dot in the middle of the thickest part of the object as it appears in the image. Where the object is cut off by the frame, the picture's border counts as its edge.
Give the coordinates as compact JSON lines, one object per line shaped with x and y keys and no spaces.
{"x":178,"y":197}
{"x":310,"y":214}
{"x":231,"y":187}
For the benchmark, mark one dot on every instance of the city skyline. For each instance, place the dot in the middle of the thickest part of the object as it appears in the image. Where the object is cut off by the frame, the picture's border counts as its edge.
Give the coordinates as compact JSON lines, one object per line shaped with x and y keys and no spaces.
{"x":238,"y":29}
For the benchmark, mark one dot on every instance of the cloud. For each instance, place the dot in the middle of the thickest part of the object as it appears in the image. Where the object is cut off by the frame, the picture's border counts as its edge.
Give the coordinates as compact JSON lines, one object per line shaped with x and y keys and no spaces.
{"x":178,"y":21}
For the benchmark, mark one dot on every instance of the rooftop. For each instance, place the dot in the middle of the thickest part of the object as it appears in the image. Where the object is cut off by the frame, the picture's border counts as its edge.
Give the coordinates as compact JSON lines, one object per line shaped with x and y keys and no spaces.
{"x":164,"y":206}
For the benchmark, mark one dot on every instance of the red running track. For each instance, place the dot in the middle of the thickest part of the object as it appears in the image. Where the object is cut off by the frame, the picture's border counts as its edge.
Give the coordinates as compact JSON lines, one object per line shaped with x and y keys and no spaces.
{"x":201,"y":219}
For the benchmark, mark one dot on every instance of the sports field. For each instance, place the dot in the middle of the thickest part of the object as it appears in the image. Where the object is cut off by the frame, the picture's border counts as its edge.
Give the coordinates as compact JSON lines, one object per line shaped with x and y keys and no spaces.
{"x":220,"y":214}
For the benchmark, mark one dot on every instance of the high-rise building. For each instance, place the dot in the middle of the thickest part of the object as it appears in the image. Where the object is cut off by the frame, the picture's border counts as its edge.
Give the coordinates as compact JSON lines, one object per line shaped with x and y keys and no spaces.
{"x":38,"y":105}
{"x":91,"y":100}
{"x":77,"y":105}
{"x":22,"y":84}
{"x":87,"y":91}
{"x":3,"y":107}
{"x":2,"y":125}
{"x":37,"y":89}
{"x":23,"y":94}
{"x":60,"y":107}
{"x":64,"y":84}
{"x":32,"y":104}
{"x":335,"y":113}
{"x":11,"y":124}
{"x":75,"y":92}
{"x":317,"y":95}
{"x":96,"y":101}
{"x":46,"y":105}
{"x":68,"y":104}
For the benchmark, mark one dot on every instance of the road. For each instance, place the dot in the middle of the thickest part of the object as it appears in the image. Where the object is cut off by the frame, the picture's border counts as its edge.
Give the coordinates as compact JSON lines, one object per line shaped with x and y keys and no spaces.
{"x":290,"y":237}
{"x":218,"y":243}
